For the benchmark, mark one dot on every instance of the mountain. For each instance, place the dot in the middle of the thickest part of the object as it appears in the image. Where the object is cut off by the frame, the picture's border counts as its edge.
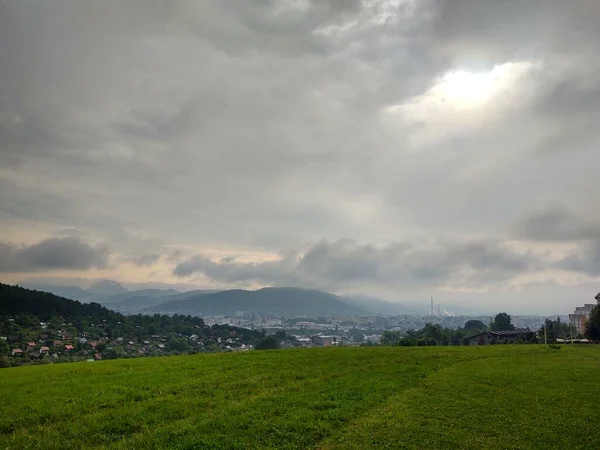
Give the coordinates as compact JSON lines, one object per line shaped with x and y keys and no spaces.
{"x":149,"y":293}
{"x":137,"y":301}
{"x":275,"y":301}
{"x":106,"y":287}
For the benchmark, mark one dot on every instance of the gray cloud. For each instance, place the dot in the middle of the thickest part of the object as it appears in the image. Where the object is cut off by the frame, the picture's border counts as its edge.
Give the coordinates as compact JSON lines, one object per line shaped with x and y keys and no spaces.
{"x":556,"y":223}
{"x":52,"y":254}
{"x":586,"y":260}
{"x":262,"y":125}
{"x":143,"y":260}
{"x":345,"y":264}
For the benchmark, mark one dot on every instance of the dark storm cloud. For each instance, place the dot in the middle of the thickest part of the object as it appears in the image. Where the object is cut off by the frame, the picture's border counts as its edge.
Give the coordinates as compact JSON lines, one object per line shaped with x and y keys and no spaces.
{"x":52,"y":254}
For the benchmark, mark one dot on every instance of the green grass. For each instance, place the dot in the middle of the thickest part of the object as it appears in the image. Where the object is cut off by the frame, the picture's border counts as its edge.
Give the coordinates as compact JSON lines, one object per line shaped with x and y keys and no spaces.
{"x":522,"y":397}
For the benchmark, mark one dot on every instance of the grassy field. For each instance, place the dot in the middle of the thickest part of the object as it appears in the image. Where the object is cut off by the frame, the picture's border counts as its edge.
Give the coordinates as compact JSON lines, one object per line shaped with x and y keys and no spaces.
{"x":522,"y":397}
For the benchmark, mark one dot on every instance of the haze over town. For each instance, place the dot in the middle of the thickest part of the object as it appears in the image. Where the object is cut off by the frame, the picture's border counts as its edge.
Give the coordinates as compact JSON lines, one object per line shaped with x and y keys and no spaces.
{"x":396,"y":149}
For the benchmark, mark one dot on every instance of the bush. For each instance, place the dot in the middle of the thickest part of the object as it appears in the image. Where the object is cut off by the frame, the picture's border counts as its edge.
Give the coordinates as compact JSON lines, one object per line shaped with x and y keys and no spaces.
{"x":267,"y":343}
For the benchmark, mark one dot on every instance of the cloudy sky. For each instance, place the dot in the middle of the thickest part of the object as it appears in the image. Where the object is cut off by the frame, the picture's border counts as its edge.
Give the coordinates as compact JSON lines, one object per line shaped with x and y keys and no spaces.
{"x":395,"y":148}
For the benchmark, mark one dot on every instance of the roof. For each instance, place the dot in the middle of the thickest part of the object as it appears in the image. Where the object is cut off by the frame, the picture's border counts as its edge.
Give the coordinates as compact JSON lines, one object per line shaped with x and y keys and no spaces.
{"x":504,"y":333}
{"x":515,"y":332}
{"x":44,"y":349}
{"x":17,"y":350}
{"x":68,"y":347}
{"x":31,"y":344}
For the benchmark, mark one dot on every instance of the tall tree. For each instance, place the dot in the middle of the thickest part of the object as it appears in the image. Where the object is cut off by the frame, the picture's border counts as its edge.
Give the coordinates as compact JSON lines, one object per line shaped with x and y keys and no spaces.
{"x":502,"y":322}
{"x":475,"y":325}
{"x":592,"y":326}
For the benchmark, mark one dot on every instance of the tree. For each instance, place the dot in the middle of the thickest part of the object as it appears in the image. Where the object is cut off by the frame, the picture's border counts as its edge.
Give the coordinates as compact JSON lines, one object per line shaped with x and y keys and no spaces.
{"x":502,"y":322}
{"x":267,"y":343}
{"x":390,"y":337}
{"x":592,"y":326}
{"x":475,"y":325}
{"x":433,"y":331}
{"x":4,"y":347}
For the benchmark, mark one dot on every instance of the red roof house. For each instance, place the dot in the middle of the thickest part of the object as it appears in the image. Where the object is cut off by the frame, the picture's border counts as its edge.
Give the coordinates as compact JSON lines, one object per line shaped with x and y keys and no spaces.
{"x":69,"y":347}
{"x":31,"y":344}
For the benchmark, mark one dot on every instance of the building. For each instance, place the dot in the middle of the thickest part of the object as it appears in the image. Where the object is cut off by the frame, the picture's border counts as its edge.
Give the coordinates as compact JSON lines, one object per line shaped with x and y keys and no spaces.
{"x":325,"y":341}
{"x":582,"y":314}
{"x":502,"y":337}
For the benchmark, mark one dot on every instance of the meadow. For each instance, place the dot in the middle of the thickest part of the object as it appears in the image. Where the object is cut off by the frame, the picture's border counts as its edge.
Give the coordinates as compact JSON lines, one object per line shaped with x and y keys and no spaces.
{"x":512,"y":397}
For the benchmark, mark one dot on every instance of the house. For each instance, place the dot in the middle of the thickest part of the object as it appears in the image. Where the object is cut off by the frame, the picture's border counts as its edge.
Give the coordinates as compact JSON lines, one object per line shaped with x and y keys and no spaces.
{"x":69,"y":347}
{"x":146,"y":342}
{"x":31,"y":344}
{"x":82,"y":340}
{"x":17,"y":352}
{"x":57,"y":343}
{"x":120,"y":339}
{"x":161,"y":346}
{"x":326,"y":341}
{"x":43,"y":336}
{"x":97,"y":356}
{"x":93,"y":344}
{"x":130,"y":343}
{"x":502,"y":337}
{"x":44,"y":350}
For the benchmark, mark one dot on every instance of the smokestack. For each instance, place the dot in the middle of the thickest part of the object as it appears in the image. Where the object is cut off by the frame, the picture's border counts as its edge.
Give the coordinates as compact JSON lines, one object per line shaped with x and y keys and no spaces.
{"x":439,"y":315}
{"x":431,"y":307}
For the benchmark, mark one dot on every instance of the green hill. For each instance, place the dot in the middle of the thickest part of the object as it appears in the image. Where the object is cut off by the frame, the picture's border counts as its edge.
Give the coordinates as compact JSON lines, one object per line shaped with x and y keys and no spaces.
{"x":44,"y":305}
{"x":276,"y":301}
{"x":505,"y":396}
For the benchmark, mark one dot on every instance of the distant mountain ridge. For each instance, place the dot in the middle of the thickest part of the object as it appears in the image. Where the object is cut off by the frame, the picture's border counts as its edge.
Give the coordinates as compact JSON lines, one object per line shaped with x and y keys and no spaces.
{"x":266,"y":301}
{"x":271,"y":300}
{"x":107,"y":287}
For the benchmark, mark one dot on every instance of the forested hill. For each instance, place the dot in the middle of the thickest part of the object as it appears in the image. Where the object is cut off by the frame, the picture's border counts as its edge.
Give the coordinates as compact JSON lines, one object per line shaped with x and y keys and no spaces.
{"x":43,"y":305}
{"x":276,"y":301}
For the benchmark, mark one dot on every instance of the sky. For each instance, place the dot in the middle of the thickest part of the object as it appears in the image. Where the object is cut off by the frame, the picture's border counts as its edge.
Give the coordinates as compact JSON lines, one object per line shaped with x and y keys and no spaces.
{"x":401,"y":149}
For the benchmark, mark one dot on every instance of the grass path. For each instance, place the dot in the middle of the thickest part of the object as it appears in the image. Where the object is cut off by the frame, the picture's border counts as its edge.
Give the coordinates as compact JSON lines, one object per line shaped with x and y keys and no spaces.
{"x":545,"y":400}
{"x":439,"y":397}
